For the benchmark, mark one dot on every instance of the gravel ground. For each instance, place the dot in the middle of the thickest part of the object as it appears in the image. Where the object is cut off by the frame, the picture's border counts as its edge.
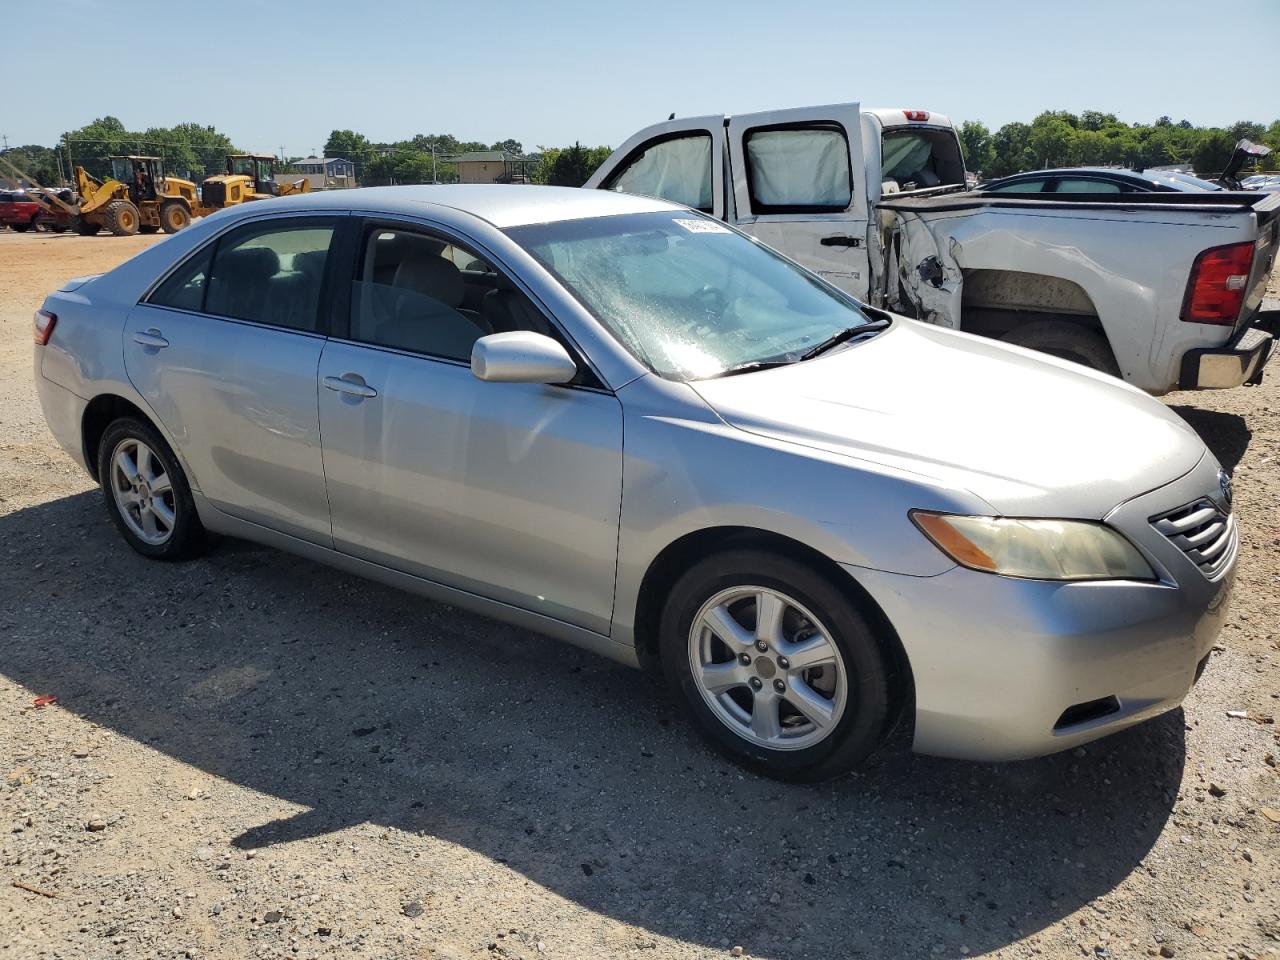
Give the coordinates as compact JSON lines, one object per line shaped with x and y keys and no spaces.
{"x":254,"y":756}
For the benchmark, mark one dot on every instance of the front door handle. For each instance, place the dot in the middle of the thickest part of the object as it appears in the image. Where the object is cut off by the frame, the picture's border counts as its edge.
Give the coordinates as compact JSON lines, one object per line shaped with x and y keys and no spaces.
{"x":352,"y":384}
{"x":841,"y":241}
{"x":150,"y":338}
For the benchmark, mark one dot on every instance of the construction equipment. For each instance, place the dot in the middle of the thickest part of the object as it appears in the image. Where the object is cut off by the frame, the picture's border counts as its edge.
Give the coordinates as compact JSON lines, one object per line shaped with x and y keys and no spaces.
{"x":137,"y":197}
{"x":249,"y":176}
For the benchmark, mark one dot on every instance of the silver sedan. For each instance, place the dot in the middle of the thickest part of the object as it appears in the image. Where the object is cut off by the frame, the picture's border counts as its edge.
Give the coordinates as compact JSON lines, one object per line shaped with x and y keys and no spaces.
{"x":622,"y":423}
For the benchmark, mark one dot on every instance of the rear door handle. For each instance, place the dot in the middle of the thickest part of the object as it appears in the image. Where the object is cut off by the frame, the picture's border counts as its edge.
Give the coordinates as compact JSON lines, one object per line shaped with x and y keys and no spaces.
{"x":352,"y":384}
{"x":841,"y":241}
{"x":150,"y":338}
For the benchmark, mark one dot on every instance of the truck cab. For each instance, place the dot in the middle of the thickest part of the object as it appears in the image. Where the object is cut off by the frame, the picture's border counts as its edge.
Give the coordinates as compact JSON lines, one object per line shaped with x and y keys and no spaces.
{"x":803,"y":180}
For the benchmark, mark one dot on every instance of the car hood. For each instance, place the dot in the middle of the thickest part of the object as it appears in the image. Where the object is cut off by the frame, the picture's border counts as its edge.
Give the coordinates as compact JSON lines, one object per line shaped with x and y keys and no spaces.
{"x":1031,"y":435}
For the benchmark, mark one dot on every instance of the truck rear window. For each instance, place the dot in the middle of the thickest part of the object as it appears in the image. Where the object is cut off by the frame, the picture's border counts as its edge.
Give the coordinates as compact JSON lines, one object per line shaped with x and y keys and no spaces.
{"x":917,"y":158}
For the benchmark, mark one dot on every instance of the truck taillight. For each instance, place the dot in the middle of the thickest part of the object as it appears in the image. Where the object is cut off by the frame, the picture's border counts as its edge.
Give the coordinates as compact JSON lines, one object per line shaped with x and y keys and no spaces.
{"x":44,"y":321}
{"x":916,"y":114}
{"x":1218,"y":283}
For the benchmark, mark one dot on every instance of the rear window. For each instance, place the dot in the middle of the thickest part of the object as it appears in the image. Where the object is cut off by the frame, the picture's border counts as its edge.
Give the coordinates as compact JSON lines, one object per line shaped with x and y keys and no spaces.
{"x":800,"y":169}
{"x":916,"y":158}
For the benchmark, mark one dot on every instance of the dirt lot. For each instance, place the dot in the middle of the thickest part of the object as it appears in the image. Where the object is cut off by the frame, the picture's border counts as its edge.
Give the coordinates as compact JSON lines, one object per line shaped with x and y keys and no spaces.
{"x":253,"y":756}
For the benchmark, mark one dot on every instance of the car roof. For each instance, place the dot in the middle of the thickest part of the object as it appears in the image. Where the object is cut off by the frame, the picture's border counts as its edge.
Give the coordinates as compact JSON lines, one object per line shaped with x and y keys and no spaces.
{"x":503,"y":205}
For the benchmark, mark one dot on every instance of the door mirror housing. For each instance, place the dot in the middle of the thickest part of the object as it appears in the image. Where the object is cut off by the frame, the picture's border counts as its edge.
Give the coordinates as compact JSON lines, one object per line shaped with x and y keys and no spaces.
{"x":521,"y":357}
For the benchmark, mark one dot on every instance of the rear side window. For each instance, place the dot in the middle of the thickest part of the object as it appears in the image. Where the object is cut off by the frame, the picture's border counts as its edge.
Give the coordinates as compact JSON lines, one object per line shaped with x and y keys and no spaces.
{"x":184,"y":288}
{"x":1022,"y":186}
{"x":271,"y":273}
{"x":676,"y":169}
{"x":798,"y":169}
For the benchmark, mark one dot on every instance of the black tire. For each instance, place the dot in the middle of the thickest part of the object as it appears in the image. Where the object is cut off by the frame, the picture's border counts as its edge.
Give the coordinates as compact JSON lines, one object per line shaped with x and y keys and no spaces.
{"x":20,"y":227}
{"x":187,"y":537}
{"x":123,"y":218}
{"x":1070,"y":341}
{"x":86,"y":228}
{"x":174,"y":216}
{"x":867,"y":712}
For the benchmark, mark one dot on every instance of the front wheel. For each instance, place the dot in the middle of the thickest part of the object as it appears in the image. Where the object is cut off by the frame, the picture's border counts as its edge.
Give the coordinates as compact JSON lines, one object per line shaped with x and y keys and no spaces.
{"x":776,"y":665}
{"x":146,"y":492}
{"x":123,"y":218}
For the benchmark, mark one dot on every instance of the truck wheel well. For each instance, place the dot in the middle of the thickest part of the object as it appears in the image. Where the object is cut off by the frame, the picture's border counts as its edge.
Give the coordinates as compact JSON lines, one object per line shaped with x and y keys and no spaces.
{"x":993,"y":303}
{"x":680,"y":555}
{"x":98,"y":415}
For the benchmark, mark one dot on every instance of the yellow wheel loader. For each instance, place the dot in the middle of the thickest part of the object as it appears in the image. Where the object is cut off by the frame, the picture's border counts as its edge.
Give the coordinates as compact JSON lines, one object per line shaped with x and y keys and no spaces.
{"x":249,"y":176}
{"x":137,"y":197}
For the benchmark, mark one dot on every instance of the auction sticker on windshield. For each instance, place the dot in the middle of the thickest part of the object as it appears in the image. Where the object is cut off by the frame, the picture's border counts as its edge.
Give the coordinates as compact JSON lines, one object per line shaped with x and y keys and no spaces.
{"x":700,"y":226}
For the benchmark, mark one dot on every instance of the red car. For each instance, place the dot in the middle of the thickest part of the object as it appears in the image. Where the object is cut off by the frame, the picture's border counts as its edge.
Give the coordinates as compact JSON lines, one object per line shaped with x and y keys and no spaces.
{"x":17,"y":210}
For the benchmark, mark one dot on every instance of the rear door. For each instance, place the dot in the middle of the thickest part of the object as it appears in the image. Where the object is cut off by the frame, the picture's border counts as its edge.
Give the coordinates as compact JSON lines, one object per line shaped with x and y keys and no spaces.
{"x":225,"y":351}
{"x":798,"y":185}
{"x":679,"y":160}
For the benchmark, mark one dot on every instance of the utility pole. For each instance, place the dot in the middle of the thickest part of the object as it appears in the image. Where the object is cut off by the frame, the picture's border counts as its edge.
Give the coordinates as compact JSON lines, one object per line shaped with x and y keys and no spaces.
{"x":434,"y":178}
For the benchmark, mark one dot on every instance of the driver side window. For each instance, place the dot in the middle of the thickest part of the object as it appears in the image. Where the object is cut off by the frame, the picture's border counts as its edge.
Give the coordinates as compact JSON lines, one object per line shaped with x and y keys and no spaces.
{"x":676,"y":169}
{"x":426,"y":294}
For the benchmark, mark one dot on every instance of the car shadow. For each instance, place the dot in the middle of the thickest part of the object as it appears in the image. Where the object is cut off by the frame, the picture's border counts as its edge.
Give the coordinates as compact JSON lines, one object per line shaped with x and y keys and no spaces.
{"x":1226,"y":434}
{"x":363,"y":704}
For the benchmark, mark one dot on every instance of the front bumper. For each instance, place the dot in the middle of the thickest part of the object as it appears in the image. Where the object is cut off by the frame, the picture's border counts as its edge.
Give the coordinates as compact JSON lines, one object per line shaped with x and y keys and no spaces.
{"x":1005,"y":669}
{"x":1241,"y":361}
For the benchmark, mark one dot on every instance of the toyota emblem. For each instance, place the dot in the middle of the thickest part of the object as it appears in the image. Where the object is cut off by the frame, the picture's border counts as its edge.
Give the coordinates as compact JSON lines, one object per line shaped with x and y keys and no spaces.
{"x":1224,"y":482}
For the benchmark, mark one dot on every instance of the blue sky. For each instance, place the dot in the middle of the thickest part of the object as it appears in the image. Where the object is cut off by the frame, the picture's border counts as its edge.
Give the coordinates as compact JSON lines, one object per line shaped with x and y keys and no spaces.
{"x":551,"y":72}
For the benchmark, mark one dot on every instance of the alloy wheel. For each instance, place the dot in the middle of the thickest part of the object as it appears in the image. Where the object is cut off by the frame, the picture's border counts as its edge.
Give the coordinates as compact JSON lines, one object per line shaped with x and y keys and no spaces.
{"x":768,"y":668}
{"x":143,"y":492}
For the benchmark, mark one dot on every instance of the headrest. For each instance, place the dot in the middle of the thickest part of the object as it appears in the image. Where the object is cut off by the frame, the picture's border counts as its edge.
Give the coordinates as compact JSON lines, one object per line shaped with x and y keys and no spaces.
{"x":249,"y":263}
{"x":432,"y":276}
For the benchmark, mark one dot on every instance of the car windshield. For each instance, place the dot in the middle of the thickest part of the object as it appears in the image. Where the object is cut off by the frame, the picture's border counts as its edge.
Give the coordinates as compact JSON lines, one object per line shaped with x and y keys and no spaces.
{"x":688,"y":296}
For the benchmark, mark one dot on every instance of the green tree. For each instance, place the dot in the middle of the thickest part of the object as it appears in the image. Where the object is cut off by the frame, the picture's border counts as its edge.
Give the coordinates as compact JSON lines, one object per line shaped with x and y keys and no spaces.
{"x":1010,"y":146}
{"x":976,"y":144}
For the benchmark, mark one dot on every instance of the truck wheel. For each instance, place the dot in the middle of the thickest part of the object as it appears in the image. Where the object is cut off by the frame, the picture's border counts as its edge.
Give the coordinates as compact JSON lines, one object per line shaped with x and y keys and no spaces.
{"x":87,"y":228}
{"x":1070,"y":341}
{"x":174,"y":216}
{"x":123,"y":218}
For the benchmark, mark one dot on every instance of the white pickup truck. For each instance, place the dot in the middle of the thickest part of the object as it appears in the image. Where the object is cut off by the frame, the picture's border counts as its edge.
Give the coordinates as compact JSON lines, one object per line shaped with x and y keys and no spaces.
{"x":1162,"y":289}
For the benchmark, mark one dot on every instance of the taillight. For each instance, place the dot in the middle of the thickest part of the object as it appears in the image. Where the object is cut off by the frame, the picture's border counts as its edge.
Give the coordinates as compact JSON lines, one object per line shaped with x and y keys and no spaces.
{"x":916,"y":114}
{"x":1218,"y":283}
{"x":44,"y":321}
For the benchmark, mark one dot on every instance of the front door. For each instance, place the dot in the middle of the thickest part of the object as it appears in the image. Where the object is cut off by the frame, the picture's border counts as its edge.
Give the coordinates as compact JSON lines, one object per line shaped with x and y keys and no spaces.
{"x":798,"y":186}
{"x":506,"y":490}
{"x":224,"y":352}
{"x":679,"y":160}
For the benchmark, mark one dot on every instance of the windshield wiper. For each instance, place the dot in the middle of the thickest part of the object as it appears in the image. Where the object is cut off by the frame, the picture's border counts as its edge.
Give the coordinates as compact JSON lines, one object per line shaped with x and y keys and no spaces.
{"x":847,"y":334}
{"x":751,"y":366}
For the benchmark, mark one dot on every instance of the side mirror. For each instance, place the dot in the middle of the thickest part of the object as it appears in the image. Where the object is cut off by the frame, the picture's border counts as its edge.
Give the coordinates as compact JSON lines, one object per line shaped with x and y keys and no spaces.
{"x":521,"y":357}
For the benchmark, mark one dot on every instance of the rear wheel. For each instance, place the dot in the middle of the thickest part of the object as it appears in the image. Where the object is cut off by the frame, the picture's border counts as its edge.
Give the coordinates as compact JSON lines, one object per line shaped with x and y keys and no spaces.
{"x":775,"y":664}
{"x":1070,"y":341}
{"x":87,"y":228}
{"x":146,"y":493}
{"x":174,"y":216}
{"x":123,"y":218}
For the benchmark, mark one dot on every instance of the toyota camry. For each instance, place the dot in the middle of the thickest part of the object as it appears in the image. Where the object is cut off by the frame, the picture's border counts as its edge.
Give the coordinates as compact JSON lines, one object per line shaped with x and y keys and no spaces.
{"x":625,"y":424}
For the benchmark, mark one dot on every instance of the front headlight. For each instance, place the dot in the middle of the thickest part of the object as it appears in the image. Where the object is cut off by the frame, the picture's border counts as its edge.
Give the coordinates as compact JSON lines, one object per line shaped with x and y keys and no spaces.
{"x":1035,"y":549}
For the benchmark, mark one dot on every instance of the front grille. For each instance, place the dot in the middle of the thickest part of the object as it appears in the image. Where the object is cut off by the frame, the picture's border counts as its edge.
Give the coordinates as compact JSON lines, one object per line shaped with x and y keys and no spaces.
{"x":1203,"y":532}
